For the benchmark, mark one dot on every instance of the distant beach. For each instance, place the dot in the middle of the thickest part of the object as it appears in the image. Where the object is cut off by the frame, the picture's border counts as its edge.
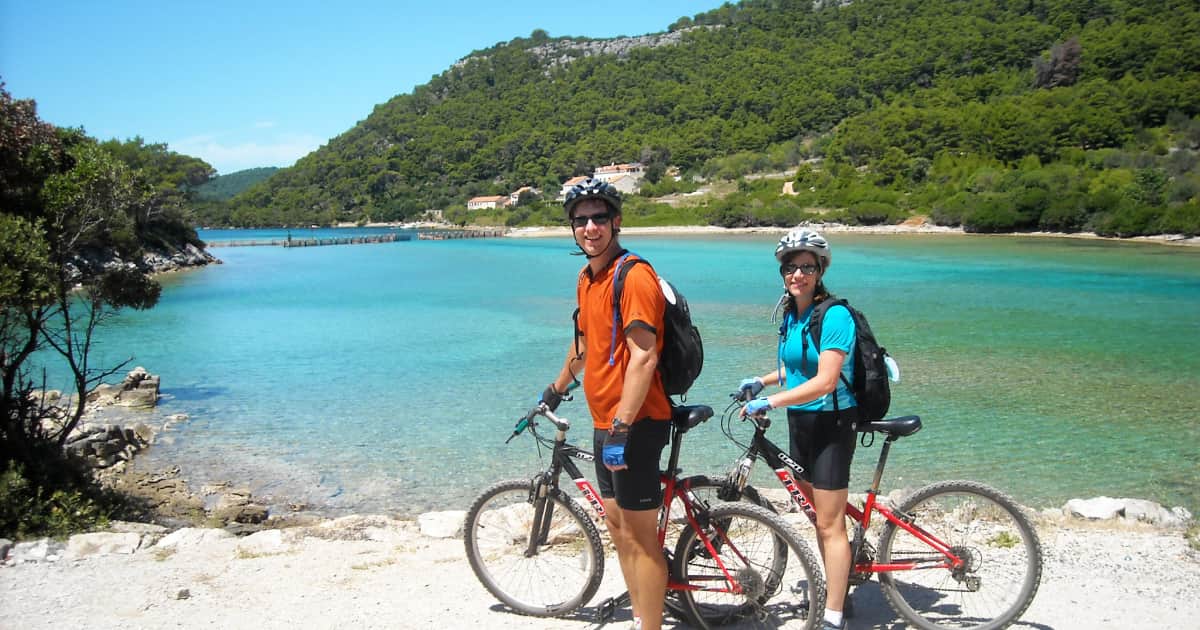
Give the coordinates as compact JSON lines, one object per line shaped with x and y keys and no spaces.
{"x":901,"y":228}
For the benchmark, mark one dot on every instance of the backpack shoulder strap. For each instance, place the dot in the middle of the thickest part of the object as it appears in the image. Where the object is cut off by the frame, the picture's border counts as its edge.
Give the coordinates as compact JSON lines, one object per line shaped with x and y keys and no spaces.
{"x":817,"y":319}
{"x":626,"y":262}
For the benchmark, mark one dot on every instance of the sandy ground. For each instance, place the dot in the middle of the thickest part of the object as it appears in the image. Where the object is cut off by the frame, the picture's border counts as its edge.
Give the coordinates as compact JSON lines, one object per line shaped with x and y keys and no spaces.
{"x":1094,"y":577}
{"x":904,"y":228}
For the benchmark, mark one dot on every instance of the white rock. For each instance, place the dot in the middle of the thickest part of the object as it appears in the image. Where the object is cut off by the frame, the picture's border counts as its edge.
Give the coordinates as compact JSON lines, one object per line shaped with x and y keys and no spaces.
{"x":266,"y":542}
{"x":102,"y":543}
{"x":192,"y":537}
{"x":1099,"y":508}
{"x":40,"y":550}
{"x":447,"y":524}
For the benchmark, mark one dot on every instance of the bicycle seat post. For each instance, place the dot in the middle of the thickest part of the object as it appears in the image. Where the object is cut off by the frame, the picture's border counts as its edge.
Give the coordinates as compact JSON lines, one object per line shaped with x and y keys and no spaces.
{"x":883,"y":455}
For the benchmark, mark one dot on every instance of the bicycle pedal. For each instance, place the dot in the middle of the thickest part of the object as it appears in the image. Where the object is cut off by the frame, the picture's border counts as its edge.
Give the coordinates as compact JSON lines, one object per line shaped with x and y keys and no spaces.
{"x":605,"y":611}
{"x":674,"y":607}
{"x":607,"y":608}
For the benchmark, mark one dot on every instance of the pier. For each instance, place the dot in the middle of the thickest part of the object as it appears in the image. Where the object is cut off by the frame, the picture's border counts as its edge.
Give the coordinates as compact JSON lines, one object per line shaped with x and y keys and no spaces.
{"x":423,"y":235}
{"x":315,"y":242}
{"x":442,"y":235}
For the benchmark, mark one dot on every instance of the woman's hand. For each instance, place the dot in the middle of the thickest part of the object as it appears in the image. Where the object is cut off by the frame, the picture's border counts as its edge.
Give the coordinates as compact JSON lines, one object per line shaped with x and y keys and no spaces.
{"x":756,"y":407}
{"x":749,"y":388}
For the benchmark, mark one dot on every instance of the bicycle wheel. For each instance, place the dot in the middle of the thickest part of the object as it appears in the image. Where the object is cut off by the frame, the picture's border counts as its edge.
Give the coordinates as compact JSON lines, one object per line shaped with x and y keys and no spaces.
{"x":707,"y":488}
{"x":778,"y":576}
{"x":557,"y":575}
{"x":984,"y":527}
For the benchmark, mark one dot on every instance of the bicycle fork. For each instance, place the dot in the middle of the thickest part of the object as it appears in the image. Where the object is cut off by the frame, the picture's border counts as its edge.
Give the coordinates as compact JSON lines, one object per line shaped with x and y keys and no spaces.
{"x":543,"y":514}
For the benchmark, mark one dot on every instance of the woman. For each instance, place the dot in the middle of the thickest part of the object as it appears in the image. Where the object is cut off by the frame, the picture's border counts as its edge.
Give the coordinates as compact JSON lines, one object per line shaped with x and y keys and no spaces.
{"x":820,"y":406}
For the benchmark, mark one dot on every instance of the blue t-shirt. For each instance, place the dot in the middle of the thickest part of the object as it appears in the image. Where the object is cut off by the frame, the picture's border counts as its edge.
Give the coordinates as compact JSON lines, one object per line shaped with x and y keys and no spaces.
{"x":837,"y":332}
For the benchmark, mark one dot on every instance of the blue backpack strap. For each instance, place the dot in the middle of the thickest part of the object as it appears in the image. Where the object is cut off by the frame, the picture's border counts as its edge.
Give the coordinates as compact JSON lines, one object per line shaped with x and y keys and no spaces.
{"x":618,"y":287}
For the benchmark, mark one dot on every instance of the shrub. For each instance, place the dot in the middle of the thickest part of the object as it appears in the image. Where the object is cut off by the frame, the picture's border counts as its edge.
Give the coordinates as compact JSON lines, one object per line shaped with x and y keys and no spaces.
{"x":874,"y":213}
{"x":994,"y":214}
{"x":1130,"y":220}
{"x":1181,"y":219}
{"x":1063,"y":217}
{"x":951,"y":211}
{"x":45,"y":503}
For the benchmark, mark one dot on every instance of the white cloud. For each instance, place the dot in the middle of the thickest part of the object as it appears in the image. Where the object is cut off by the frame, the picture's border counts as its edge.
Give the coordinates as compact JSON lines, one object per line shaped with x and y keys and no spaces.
{"x":229,"y":157}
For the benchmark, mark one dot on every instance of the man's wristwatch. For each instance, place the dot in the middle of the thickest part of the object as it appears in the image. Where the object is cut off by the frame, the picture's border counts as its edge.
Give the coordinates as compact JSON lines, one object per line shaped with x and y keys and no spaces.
{"x":618,"y":426}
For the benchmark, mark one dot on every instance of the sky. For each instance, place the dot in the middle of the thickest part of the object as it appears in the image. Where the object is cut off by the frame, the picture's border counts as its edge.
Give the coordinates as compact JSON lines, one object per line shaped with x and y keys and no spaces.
{"x":254,"y":83}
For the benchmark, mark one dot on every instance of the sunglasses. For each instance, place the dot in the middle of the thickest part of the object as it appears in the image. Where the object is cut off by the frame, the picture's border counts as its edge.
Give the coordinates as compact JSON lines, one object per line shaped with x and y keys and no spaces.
{"x":807,"y":269}
{"x":579,"y":221}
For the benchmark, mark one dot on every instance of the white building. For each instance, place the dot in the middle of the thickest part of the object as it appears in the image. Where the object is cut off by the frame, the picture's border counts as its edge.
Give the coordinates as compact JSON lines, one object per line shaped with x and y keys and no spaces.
{"x":483,"y":203}
{"x":567,"y":185}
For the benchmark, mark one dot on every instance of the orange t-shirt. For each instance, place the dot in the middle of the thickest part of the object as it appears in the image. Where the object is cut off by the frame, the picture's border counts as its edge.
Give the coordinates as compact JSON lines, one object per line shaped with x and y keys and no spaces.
{"x":642,"y":304}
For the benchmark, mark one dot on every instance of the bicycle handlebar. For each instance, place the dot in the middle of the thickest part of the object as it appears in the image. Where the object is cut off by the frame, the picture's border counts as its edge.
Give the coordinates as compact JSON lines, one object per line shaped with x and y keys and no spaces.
{"x":540,"y":409}
{"x":740,"y":398}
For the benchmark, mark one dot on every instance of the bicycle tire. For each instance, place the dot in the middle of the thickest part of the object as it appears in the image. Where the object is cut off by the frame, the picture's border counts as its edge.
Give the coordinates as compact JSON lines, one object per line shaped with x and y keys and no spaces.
{"x":566,"y":569}
{"x":988,"y":528}
{"x":707,"y":488}
{"x":783,"y":581}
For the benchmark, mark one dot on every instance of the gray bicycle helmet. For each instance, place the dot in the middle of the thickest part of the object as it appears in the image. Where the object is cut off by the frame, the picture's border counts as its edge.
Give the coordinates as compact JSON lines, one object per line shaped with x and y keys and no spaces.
{"x":592,"y":188}
{"x":804,"y":240}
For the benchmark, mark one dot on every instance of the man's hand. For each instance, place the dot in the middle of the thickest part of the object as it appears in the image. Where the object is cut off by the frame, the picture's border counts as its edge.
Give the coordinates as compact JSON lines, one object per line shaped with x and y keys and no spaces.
{"x":551,"y":397}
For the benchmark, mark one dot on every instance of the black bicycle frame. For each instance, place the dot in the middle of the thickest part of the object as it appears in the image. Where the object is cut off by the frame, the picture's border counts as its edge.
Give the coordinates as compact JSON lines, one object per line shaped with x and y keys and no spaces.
{"x":560,"y":462}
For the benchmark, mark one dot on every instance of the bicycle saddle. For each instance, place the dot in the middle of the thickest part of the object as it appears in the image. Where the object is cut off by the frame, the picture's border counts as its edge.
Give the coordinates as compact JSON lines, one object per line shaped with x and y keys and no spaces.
{"x":898,"y":427}
{"x":686,"y":417}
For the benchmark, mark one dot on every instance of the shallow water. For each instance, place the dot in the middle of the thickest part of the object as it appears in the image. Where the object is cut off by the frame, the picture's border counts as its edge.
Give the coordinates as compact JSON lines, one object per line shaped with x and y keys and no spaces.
{"x":386,"y":377}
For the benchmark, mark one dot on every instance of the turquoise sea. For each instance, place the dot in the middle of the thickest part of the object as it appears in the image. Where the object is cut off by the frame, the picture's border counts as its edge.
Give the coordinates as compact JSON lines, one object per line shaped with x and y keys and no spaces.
{"x":385,"y":378}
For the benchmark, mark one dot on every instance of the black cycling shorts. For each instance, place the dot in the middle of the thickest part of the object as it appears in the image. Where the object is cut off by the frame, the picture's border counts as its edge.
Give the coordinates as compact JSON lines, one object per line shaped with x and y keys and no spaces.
{"x":823,"y":446}
{"x":637,"y":487}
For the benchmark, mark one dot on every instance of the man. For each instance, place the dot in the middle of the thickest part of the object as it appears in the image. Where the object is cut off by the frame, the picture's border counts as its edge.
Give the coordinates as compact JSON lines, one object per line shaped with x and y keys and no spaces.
{"x":630,"y":411}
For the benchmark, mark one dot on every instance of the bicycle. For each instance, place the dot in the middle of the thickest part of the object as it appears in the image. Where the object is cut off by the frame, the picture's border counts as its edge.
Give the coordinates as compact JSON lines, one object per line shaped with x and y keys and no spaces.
{"x":952,"y":554}
{"x":538,"y":551}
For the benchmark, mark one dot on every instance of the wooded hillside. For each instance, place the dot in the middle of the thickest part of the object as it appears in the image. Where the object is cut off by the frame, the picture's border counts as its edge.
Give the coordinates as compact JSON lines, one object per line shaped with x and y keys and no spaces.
{"x":1084,"y":109}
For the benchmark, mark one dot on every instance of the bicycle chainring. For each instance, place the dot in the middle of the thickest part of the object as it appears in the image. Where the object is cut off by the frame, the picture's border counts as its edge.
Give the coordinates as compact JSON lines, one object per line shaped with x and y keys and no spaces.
{"x":866,"y":555}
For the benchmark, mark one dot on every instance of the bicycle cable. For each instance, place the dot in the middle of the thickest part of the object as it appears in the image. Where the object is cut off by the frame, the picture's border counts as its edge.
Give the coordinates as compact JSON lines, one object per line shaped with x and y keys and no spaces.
{"x":727,"y":418}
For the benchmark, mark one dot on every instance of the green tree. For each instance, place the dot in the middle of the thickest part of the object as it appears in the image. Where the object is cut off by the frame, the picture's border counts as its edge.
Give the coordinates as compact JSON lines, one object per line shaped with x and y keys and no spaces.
{"x":77,"y":205}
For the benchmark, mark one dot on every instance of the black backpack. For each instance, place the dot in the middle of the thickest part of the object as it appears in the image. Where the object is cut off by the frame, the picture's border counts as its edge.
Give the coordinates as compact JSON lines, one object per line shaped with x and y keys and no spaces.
{"x":871,"y":388}
{"x":682,"y":355}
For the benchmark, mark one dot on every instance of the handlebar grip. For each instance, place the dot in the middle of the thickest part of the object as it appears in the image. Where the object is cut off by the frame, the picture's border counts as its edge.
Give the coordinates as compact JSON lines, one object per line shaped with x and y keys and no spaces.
{"x":517,"y":430}
{"x":524,"y":422}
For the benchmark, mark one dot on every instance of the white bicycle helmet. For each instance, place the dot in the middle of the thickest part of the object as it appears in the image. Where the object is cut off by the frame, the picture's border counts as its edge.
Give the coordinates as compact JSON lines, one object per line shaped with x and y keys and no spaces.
{"x":804,"y":240}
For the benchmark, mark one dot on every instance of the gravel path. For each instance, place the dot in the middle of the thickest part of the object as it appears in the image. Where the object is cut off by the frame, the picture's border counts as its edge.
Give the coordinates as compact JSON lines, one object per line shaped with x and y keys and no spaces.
{"x":394,"y":577}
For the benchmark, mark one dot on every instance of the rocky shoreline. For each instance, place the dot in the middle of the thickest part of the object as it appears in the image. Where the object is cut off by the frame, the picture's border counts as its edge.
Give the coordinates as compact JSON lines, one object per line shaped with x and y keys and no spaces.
{"x":169,"y":502}
{"x":154,"y":260}
{"x":215,"y":557}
